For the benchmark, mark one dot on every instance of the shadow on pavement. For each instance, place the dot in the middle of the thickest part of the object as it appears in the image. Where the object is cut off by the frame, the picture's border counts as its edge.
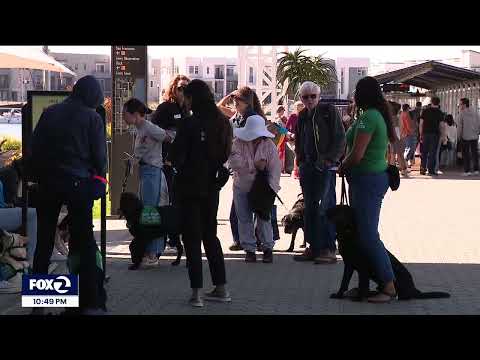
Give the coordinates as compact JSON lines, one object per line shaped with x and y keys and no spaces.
{"x":282,"y":288}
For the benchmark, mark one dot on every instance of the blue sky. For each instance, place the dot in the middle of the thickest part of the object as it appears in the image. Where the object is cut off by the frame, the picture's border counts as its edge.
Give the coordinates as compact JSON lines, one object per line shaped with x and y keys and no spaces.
{"x":375,"y":53}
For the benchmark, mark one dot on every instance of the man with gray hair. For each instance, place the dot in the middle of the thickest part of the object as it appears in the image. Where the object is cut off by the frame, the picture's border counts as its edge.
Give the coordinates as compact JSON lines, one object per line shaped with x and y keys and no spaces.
{"x":468,"y":130}
{"x":319,"y":145}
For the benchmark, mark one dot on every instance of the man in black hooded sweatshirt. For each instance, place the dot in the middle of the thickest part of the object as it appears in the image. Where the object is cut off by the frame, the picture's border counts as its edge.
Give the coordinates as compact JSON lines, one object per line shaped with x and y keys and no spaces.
{"x":68,"y":148}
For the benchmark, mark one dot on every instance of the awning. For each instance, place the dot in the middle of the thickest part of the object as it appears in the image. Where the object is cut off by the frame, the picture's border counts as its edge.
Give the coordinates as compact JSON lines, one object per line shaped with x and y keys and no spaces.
{"x":429,"y":75}
{"x":27,"y":58}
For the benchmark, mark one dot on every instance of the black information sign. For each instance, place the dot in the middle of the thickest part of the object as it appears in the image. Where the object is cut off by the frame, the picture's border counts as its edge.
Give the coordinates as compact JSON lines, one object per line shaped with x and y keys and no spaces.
{"x":129,"y":61}
{"x":129,"y":79}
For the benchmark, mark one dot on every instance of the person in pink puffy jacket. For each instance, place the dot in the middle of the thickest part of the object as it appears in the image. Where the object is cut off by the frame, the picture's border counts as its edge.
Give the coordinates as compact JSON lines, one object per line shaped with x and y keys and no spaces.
{"x":253,"y":150}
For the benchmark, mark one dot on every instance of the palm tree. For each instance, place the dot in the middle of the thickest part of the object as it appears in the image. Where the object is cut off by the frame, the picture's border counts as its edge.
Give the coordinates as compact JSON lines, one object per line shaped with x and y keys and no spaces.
{"x":295,"y":67}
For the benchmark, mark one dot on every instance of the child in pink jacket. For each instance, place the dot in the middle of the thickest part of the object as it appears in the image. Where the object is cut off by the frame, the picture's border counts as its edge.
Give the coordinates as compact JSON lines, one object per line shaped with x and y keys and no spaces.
{"x":253,"y":150}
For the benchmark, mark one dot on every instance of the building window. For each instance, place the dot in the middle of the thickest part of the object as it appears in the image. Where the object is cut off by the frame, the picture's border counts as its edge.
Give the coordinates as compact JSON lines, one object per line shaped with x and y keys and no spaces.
{"x":76,"y":66}
{"x":219,"y":72}
{"x":231,"y":86}
{"x":250,"y":75}
{"x":229,"y":72}
{"x":100,"y":68}
{"x":190,"y":69}
{"x":208,"y":70}
{"x":219,"y":87}
{"x":85,"y":67}
{"x":196,"y":70}
{"x":4,"y":83}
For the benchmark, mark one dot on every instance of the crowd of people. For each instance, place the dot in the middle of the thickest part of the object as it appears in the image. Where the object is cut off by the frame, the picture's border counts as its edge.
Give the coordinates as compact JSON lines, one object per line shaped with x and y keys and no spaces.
{"x":429,"y":132}
{"x":188,"y":147}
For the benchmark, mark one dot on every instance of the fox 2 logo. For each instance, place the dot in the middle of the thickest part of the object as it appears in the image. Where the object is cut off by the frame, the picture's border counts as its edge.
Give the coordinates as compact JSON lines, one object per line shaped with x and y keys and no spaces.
{"x":50,"y":285}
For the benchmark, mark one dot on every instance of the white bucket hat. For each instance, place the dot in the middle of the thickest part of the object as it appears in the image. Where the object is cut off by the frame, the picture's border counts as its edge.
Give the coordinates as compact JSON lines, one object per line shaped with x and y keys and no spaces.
{"x":254,"y":128}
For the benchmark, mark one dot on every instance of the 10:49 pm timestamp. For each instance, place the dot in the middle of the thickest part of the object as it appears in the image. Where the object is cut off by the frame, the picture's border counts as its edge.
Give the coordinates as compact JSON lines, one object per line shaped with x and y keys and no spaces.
{"x":50,"y":301}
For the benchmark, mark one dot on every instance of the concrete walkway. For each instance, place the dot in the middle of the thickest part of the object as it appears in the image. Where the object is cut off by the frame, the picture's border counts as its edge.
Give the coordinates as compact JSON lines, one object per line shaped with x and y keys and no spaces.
{"x":429,"y":224}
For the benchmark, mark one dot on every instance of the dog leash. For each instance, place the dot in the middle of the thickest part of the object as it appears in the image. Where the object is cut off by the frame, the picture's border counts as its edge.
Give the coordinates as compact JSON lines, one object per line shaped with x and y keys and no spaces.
{"x":344,"y":196}
{"x":281,"y":202}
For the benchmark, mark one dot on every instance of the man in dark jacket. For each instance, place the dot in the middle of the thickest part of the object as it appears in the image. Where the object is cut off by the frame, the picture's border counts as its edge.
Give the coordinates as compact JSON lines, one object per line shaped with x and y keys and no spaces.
{"x":68,"y":148}
{"x":319,"y":144}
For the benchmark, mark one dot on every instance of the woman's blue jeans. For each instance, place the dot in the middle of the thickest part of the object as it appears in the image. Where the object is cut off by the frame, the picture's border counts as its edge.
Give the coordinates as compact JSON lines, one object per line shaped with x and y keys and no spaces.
{"x":150,"y":187}
{"x":366,"y":195}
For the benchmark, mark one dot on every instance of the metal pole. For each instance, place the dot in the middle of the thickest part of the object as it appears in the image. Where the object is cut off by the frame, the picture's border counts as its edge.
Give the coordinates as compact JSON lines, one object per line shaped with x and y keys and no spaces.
{"x":103,"y":206}
{"x":103,"y":233}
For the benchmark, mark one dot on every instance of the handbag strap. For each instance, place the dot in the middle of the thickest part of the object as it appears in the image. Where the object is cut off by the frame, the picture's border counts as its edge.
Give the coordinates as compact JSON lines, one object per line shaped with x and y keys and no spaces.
{"x":344,"y":196}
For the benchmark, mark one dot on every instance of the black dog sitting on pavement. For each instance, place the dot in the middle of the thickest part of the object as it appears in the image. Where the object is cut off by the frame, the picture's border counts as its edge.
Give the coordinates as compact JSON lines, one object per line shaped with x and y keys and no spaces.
{"x":131,"y":208}
{"x":354,"y":260}
{"x":294,"y":221}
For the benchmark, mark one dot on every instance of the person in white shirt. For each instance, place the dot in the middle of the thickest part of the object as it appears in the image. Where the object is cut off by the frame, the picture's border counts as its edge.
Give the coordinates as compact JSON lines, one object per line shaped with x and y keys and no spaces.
{"x":148,"y":154}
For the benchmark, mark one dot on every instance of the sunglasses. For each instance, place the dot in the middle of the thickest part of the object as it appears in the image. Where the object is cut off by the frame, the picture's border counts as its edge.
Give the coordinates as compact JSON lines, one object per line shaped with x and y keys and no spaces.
{"x":311,"y":96}
{"x":237,"y":99}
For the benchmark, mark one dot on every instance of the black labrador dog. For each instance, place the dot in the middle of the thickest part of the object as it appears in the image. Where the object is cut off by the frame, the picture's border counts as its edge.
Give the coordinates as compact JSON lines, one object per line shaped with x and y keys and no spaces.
{"x":354,"y":260}
{"x":294,"y":221}
{"x":131,"y":207}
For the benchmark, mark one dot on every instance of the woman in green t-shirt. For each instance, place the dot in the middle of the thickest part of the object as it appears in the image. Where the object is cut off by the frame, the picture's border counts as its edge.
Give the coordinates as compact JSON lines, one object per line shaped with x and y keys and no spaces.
{"x":365,"y":166}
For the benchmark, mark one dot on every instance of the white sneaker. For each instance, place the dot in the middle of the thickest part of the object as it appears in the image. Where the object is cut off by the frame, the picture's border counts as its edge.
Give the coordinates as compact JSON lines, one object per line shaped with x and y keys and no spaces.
{"x":196,"y":301}
{"x":148,"y":262}
{"x":466,"y":174}
{"x":219,"y":296}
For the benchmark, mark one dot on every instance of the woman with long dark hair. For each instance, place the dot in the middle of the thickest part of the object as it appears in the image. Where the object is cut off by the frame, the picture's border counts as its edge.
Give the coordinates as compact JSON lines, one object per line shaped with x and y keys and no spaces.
{"x":366,"y":168}
{"x":201,"y":147}
{"x":168,"y":115}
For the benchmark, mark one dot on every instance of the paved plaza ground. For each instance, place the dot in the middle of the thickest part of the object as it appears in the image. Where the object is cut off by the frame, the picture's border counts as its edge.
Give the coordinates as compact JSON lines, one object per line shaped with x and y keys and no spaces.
{"x":431,"y":225}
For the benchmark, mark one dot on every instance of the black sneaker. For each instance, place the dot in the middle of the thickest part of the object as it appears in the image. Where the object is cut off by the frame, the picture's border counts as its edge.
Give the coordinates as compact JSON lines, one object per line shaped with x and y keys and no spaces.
{"x":423,"y":172}
{"x":250,"y":257}
{"x":268,"y":256}
{"x":235,"y":247}
{"x":305,"y":256}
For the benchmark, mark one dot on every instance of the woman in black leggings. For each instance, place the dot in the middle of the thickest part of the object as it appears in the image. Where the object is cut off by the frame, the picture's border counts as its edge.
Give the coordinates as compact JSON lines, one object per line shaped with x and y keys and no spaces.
{"x":201,"y":147}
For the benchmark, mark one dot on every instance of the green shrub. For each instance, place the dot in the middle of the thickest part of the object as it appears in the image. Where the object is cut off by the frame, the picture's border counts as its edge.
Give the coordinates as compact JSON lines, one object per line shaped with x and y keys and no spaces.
{"x":10,"y":144}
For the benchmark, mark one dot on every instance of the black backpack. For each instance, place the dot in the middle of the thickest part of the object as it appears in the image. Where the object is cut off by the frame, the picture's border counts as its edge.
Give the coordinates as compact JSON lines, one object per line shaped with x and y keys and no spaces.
{"x":261,"y":196}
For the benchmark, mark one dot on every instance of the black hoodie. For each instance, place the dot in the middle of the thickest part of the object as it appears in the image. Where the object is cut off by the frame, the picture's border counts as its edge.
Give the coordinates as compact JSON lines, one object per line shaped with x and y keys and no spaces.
{"x":69,"y":138}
